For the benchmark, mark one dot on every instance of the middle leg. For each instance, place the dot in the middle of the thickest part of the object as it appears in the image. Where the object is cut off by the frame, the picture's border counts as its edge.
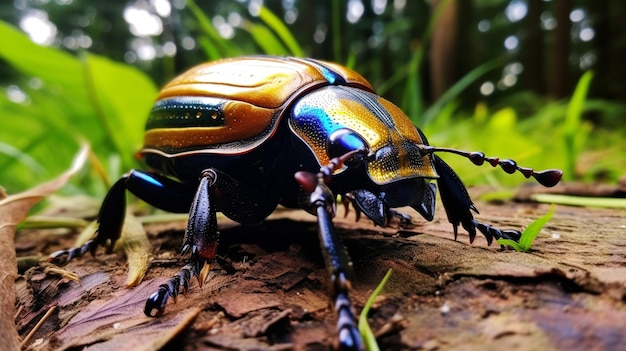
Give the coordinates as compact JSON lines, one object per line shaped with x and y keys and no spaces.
{"x":201,"y":238}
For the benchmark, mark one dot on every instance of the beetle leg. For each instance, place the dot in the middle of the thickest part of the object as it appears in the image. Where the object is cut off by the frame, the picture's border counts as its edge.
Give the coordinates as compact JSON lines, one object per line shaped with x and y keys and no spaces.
{"x":403,"y":220}
{"x":322,"y":200}
{"x":338,"y":263}
{"x":458,"y":205}
{"x":372,"y":205}
{"x":151,"y":188}
{"x":200,"y":239}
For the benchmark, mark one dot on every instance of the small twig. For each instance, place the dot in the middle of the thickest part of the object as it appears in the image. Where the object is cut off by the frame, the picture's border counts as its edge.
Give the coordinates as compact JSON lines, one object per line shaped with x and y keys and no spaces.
{"x":19,"y":310}
{"x":39,"y":324}
{"x":62,"y":272}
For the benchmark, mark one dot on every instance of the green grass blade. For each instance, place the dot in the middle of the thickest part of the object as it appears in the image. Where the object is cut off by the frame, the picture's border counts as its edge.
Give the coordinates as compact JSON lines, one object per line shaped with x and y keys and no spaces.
{"x":364,"y":329}
{"x":209,"y":49}
{"x":530,"y":233}
{"x":265,"y":38}
{"x":221,"y":46}
{"x":412,"y":99}
{"x":399,"y":74}
{"x":511,"y":243}
{"x":533,"y":229}
{"x":573,"y":133}
{"x":22,"y":157}
{"x":458,"y":88}
{"x":275,"y":24}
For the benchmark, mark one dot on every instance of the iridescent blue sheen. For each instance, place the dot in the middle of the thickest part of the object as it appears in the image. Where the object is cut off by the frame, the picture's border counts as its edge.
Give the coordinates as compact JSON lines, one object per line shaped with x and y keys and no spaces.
{"x":346,"y":141}
{"x":331,"y":76}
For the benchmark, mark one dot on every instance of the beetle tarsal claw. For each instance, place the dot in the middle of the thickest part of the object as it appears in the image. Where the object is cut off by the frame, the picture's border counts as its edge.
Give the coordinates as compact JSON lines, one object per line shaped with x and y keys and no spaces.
{"x":204,"y":273}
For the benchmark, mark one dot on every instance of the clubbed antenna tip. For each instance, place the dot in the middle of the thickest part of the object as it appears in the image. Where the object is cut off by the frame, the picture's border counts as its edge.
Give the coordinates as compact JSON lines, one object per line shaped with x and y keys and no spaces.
{"x":547,"y":178}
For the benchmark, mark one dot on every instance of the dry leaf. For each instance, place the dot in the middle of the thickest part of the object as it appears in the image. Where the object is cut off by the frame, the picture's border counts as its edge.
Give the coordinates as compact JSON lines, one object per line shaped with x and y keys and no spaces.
{"x":134,"y":241}
{"x":14,"y":209}
{"x":86,"y":234}
{"x":114,"y":323}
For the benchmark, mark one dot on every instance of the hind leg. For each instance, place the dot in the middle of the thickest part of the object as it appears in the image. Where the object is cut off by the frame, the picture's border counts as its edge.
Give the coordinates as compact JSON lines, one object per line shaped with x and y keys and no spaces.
{"x":156,"y":190}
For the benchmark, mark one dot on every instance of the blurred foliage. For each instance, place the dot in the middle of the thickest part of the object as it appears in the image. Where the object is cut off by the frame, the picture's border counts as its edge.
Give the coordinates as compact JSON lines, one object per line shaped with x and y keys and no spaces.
{"x":75,"y":87}
{"x":67,"y":100}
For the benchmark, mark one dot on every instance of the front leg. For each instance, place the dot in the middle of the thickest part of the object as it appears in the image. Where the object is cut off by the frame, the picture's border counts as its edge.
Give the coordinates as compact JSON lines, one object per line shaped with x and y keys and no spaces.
{"x":458,"y":205}
{"x":322,"y":200}
{"x":338,"y":264}
{"x":200,"y":239}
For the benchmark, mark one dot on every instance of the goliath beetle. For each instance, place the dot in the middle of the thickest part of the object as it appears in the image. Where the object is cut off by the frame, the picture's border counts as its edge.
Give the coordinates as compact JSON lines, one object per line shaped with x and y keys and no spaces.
{"x":243,"y":135}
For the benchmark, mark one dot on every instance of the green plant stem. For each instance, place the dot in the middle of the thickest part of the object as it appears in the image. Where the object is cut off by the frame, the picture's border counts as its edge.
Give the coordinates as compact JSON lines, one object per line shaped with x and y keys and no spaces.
{"x":364,"y":328}
{"x":48,"y":222}
{"x":607,"y":202}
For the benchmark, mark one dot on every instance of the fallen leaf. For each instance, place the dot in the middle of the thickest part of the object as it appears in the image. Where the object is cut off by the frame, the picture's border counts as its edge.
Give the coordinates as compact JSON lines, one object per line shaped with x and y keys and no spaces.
{"x":86,"y":234}
{"x":115,"y":323}
{"x":14,"y":209}
{"x":134,"y":241}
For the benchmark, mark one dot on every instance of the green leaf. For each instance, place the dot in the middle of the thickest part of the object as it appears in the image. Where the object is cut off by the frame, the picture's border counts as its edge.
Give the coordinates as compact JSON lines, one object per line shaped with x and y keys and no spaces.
{"x":122,"y":97}
{"x":48,"y":64}
{"x":90,"y":98}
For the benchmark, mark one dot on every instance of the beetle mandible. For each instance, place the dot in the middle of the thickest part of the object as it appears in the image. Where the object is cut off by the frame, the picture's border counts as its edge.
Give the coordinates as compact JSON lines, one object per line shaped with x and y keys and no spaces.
{"x":243,"y":135}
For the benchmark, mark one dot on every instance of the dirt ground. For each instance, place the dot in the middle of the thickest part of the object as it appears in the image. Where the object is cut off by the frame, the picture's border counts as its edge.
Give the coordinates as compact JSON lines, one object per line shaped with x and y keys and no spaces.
{"x":568,"y":293}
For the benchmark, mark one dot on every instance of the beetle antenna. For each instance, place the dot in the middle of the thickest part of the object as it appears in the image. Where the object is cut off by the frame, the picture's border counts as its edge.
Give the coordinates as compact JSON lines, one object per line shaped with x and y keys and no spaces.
{"x":548,"y":178}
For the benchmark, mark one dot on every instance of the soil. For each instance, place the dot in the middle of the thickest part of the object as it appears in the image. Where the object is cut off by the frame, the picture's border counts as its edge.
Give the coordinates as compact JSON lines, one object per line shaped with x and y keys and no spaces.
{"x":567,"y":293}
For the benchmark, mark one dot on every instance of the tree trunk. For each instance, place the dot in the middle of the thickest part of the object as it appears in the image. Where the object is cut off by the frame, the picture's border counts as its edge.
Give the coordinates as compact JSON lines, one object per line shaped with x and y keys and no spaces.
{"x":442,"y":53}
{"x":532,"y":49}
{"x":559,"y":77}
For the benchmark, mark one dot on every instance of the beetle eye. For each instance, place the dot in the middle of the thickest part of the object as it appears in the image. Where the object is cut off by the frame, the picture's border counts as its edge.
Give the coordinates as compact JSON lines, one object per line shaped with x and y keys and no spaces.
{"x":342,"y":141}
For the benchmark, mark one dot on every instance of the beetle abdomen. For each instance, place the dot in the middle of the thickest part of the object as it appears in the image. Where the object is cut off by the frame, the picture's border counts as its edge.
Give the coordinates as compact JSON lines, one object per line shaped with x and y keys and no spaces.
{"x":200,"y":123}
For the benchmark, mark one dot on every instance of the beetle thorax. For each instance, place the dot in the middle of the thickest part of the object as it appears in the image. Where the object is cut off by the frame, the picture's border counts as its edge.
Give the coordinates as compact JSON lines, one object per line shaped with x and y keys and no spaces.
{"x":383,"y":127}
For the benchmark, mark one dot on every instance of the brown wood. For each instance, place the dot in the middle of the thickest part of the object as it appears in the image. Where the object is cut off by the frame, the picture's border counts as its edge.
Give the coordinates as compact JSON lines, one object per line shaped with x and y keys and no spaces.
{"x":568,"y":293}
{"x":558,"y":84}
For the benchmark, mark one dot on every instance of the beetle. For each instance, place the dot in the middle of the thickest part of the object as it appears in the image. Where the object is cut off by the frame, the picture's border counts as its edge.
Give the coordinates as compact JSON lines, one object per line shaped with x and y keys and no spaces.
{"x":243,"y":135}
